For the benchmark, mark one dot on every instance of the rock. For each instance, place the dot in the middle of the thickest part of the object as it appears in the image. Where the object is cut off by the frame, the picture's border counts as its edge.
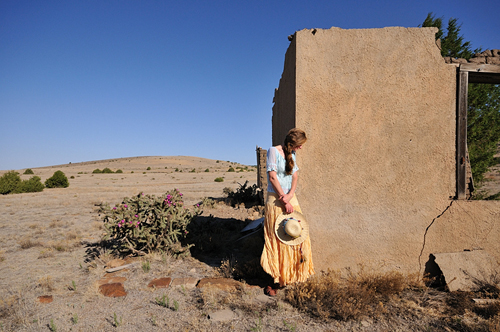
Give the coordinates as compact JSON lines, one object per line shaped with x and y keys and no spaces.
{"x":221,"y":283}
{"x":115,"y":263}
{"x":447,"y":59}
{"x":459,"y":60}
{"x":486,"y":53}
{"x":45,"y":299}
{"x":121,"y":267}
{"x":479,"y":59}
{"x":496,"y":53}
{"x":493,"y":60}
{"x":160,"y":283}
{"x":112,"y":290}
{"x":186,"y":282}
{"x":112,"y":280}
{"x":222,"y":315}
{"x":262,"y":298}
{"x":463,"y":270}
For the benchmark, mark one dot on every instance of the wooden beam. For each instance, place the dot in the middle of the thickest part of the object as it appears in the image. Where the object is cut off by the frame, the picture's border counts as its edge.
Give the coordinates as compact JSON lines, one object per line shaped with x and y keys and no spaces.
{"x":482,"y":73}
{"x":462,"y":84}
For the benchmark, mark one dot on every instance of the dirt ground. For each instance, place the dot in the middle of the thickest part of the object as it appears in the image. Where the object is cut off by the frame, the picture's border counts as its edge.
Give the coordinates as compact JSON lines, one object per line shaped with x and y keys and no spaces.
{"x":49,"y":245}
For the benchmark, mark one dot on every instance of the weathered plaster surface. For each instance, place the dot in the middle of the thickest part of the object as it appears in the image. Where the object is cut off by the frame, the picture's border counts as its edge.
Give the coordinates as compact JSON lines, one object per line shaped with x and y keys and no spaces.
{"x":378,"y":106}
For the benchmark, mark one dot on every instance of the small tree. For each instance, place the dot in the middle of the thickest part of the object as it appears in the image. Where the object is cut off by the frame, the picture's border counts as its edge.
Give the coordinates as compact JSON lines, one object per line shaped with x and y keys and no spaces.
{"x":34,"y":184}
{"x":58,"y":180}
{"x":9,"y":182}
{"x":28,"y":171}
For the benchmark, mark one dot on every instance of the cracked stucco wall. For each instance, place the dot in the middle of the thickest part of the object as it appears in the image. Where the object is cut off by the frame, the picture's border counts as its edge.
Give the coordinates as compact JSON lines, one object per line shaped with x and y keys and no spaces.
{"x":378,"y":106}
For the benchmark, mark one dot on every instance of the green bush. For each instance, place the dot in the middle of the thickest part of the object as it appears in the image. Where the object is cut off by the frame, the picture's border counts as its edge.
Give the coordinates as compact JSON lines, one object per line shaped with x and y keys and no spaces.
{"x":119,"y":171}
{"x":146,"y":223}
{"x":34,"y":184}
{"x":28,"y":171}
{"x":219,"y":179}
{"x":97,"y":171}
{"x":58,"y":180}
{"x":207,"y":170}
{"x":244,"y":194}
{"x":231,"y":169}
{"x":148,"y":169}
{"x":9,"y":182}
{"x":107,"y":170}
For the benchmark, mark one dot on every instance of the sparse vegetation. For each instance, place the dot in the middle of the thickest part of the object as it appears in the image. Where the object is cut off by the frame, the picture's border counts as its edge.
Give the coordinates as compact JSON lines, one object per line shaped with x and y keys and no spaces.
{"x":58,"y":180}
{"x":243,"y":194}
{"x":11,"y":183}
{"x":146,"y":266}
{"x":146,"y":223}
{"x":107,"y":170}
{"x":116,"y":321}
{"x":219,"y":179}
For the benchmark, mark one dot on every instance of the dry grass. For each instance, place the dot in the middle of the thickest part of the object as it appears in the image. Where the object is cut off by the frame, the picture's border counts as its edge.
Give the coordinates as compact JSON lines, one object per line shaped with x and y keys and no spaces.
{"x":29,"y":242}
{"x":331,"y":296}
{"x":46,"y":283}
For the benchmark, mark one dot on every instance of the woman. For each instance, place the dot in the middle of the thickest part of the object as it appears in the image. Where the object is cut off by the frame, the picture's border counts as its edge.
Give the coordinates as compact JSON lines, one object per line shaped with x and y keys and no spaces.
{"x":285,"y":263}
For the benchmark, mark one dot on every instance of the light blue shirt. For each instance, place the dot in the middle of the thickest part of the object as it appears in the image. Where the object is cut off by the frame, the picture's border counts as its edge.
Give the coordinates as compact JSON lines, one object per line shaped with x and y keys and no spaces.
{"x":276,"y":162}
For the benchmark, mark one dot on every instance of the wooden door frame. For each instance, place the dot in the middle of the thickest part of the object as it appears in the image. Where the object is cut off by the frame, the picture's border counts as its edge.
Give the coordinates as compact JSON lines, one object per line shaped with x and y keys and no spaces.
{"x":468,"y":73}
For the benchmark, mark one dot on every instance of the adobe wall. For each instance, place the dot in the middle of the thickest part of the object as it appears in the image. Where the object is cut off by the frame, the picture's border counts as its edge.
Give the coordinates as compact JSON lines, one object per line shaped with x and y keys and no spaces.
{"x":378,"y":106}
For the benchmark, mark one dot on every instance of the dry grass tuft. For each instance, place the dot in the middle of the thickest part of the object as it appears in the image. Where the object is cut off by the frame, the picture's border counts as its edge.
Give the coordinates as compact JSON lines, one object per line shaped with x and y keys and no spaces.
{"x":28,"y":242}
{"x":48,"y":252}
{"x":46,"y":283}
{"x":330,"y":296}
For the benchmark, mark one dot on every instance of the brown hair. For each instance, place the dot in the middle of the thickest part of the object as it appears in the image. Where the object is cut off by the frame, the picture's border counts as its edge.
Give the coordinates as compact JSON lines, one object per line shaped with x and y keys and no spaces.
{"x":293,"y":139}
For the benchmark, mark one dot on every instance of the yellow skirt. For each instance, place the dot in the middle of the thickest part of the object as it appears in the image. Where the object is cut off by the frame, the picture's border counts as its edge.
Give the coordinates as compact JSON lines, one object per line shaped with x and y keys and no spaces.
{"x":286,"y":264}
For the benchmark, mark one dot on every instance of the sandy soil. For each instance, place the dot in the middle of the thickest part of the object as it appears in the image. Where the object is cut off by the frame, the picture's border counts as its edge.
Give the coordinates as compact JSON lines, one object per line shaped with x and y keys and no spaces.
{"x":49,"y":245}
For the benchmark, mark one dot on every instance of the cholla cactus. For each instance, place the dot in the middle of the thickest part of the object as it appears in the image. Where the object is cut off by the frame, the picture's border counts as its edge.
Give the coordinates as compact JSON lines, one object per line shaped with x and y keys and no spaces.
{"x":146,"y":223}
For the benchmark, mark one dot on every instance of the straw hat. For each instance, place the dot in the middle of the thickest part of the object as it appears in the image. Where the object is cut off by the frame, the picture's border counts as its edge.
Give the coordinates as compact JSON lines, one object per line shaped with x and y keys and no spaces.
{"x":292,"y":228}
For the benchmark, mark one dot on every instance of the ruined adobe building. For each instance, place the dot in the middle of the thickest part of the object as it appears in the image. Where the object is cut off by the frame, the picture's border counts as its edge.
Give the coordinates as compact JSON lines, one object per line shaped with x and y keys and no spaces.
{"x":378,"y":180}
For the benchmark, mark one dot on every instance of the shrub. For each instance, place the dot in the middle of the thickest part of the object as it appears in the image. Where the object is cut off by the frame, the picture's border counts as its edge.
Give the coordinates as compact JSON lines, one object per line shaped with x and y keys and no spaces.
{"x":148,"y":169}
{"x":97,"y":171}
{"x":34,"y":184}
{"x":58,"y":180}
{"x":28,"y":171}
{"x":231,"y":169}
{"x":207,"y":170}
{"x":146,"y":223}
{"x":219,"y":179}
{"x":9,"y":182}
{"x":107,"y":170}
{"x":119,"y":171}
{"x":244,"y":194}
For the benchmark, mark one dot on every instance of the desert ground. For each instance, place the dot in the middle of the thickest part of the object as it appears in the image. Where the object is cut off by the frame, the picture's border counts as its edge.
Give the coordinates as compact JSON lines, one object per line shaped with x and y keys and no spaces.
{"x":50,"y":245}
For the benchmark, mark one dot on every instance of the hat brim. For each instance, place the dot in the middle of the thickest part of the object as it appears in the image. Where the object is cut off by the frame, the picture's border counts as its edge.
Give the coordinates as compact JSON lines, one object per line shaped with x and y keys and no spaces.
{"x":279,"y":230}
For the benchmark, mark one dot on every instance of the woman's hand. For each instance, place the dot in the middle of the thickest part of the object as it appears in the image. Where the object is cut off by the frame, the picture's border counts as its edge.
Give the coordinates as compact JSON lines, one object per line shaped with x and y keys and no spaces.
{"x":288,"y":208}
{"x":286,"y":198}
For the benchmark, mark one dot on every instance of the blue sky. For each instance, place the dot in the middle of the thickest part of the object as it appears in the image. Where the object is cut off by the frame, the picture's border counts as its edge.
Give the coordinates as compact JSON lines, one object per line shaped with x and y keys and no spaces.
{"x":99,"y":79}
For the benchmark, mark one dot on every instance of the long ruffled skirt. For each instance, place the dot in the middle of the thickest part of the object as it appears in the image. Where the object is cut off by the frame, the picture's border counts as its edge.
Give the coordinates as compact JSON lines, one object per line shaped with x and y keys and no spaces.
{"x":286,"y":264}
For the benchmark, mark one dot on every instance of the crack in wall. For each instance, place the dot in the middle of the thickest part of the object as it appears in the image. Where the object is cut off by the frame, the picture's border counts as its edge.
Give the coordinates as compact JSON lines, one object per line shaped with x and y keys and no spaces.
{"x":425,"y":235}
